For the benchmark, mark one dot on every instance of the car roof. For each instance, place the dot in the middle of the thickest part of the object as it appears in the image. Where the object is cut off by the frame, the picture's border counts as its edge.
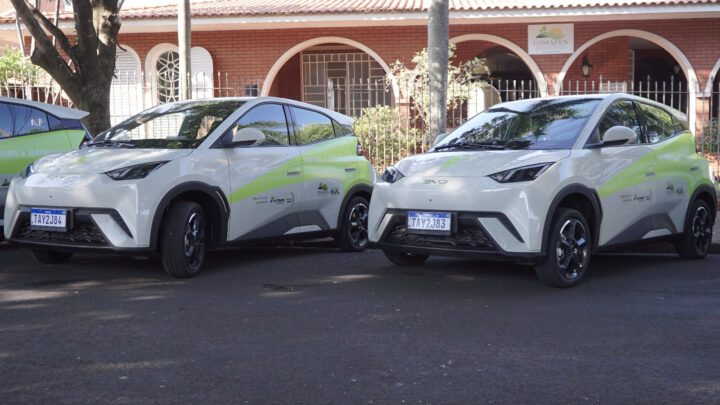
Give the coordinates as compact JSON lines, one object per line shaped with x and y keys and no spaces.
{"x":340,"y":118}
{"x":605,"y":96}
{"x":56,"y":110}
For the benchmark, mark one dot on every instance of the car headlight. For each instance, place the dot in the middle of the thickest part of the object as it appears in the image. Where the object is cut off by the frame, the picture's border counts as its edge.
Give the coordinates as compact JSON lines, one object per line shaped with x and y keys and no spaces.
{"x":391,"y":175}
{"x":29,"y":170}
{"x":134,"y":172}
{"x":525,"y":173}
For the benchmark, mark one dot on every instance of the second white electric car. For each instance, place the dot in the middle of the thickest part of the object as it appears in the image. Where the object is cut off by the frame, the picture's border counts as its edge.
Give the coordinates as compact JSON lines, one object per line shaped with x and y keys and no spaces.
{"x":549,"y":181}
{"x":184,"y":176}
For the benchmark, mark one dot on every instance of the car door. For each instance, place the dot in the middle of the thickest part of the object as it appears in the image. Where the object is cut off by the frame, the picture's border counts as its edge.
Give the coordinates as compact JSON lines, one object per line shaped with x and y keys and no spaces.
{"x":626,"y":191}
{"x":265,"y":178}
{"x":675,"y":167}
{"x":329,"y":168}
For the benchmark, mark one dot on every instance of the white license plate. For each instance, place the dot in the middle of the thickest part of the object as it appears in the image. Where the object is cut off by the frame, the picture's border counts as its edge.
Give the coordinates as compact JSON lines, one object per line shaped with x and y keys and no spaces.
{"x":41,"y":218}
{"x":429,"y":221}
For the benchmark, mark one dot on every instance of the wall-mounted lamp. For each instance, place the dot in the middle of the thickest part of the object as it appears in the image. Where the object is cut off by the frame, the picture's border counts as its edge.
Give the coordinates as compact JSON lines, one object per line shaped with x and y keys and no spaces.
{"x":586,"y":67}
{"x":676,"y":68}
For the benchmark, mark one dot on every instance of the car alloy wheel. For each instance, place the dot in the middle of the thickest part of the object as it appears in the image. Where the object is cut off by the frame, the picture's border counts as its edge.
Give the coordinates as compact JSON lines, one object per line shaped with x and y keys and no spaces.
{"x":571,"y":249}
{"x":702,"y":229}
{"x":358,"y":220}
{"x":195,"y":239}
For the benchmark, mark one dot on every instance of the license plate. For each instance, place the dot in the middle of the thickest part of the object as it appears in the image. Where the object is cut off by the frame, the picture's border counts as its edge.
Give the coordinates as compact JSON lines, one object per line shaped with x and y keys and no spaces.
{"x":47,"y":219}
{"x":429,"y":221}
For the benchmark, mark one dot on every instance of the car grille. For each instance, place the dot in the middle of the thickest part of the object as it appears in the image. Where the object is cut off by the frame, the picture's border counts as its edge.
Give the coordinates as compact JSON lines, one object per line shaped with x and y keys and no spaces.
{"x":83,"y":232}
{"x":468,"y":235}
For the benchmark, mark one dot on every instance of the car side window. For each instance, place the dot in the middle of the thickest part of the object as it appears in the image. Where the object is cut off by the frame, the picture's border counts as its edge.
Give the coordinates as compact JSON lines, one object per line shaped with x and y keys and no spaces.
{"x":658,"y":123}
{"x":342,"y":130}
{"x":27,"y":120}
{"x":6,"y":121}
{"x":312,"y":126}
{"x":620,"y":113}
{"x":268,"y":118}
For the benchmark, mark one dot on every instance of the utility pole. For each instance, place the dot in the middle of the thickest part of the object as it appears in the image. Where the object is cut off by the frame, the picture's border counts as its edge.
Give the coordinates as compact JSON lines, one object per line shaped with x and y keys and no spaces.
{"x":438,"y":33}
{"x":184,"y":48}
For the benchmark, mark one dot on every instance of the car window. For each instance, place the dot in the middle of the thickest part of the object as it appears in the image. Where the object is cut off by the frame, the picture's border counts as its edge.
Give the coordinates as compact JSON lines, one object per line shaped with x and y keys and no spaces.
{"x":312,"y":126}
{"x":342,"y":130}
{"x":681,"y":124}
{"x":620,"y":113}
{"x":6,"y":121}
{"x":268,"y":118}
{"x":658,"y":123}
{"x":27,"y":120}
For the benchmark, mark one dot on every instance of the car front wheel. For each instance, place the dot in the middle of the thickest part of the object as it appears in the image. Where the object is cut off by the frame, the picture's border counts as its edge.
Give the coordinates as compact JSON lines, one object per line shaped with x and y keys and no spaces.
{"x":568,"y":253}
{"x":697,"y":236}
{"x":184,"y":240}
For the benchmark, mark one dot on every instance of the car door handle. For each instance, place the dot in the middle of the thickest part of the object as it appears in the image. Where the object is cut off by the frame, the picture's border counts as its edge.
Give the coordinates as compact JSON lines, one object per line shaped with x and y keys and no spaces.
{"x":350,"y":169}
{"x":650,"y":174}
{"x":694,"y":169}
{"x":293,"y":173}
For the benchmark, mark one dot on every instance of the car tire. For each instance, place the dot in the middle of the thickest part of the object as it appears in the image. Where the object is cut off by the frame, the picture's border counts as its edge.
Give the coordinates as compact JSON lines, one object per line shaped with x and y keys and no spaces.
{"x":568,"y":250}
{"x":184,"y":239}
{"x":405,"y":258}
{"x":697,"y":236}
{"x":51,"y":257}
{"x":353,"y":234}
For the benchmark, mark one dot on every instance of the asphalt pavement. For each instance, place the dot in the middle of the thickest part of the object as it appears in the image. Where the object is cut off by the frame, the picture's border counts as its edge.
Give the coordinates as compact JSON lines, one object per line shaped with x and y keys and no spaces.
{"x":313,"y":325}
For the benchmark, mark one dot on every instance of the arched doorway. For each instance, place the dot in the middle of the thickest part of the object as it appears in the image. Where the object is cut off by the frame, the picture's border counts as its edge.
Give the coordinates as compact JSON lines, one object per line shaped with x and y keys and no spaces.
{"x":331,"y":72}
{"x":632,"y":61}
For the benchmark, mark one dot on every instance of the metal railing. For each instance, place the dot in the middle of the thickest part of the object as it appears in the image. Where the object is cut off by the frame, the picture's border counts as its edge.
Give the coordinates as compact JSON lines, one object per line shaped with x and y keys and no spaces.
{"x":391,"y":118}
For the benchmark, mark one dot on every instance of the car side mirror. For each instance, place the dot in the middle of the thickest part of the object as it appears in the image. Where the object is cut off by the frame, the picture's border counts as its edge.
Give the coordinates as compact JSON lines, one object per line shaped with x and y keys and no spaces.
{"x":248,"y":136}
{"x":619,"y":135}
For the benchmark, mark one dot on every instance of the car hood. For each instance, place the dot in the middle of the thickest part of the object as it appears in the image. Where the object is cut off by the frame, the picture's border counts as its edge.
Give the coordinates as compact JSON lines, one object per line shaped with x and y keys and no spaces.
{"x":100,"y":160}
{"x":475,"y":163}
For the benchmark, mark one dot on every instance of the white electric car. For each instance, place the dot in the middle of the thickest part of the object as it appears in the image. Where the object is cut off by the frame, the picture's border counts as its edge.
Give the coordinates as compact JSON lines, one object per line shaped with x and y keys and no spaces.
{"x":184,"y":176}
{"x":549,"y":181}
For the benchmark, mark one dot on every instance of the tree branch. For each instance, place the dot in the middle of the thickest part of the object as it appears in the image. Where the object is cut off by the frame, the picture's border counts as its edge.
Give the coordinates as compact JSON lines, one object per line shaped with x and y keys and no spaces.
{"x":56,"y":32}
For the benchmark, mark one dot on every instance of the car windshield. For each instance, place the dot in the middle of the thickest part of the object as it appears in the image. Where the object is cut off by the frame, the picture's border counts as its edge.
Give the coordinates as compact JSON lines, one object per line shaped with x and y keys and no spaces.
{"x":531,"y":124}
{"x":169,"y":126}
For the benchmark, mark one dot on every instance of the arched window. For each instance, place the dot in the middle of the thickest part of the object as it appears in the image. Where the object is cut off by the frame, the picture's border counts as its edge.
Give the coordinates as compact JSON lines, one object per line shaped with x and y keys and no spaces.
{"x":126,"y":89}
{"x":162,"y":69}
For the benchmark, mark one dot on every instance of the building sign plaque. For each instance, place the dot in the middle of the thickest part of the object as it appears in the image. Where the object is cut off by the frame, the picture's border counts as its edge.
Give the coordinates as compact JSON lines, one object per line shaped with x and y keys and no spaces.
{"x":548,"y":39}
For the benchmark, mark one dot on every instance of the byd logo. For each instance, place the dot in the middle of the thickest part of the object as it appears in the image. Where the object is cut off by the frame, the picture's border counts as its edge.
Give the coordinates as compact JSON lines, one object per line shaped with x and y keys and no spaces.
{"x":431,"y":181}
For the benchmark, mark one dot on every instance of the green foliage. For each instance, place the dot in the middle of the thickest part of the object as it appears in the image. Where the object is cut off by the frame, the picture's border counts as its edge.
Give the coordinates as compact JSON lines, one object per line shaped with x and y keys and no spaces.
{"x":709,"y":142}
{"x":415,"y":82}
{"x":16,"y":69}
{"x":386,"y":136}
{"x":315,"y":132}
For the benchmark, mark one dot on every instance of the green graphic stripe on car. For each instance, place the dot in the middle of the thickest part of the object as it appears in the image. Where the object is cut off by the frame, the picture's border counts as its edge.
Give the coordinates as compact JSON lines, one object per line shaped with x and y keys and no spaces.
{"x":17,"y":152}
{"x":682,"y":145}
{"x":76,"y":137}
{"x":271,"y":180}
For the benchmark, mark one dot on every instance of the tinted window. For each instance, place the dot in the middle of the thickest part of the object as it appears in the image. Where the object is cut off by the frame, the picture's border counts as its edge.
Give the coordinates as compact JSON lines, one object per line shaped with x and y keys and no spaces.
{"x":268,"y":118}
{"x":311,"y":126}
{"x":658,"y":123}
{"x":681,"y":124}
{"x":531,"y":124}
{"x":342,"y":130}
{"x":620,"y":113}
{"x":28,"y":120}
{"x":55,"y":124}
{"x":6,"y":121}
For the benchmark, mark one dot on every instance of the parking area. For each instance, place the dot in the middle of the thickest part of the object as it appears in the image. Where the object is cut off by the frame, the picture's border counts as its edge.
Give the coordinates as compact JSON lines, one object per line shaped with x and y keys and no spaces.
{"x":312,"y":325}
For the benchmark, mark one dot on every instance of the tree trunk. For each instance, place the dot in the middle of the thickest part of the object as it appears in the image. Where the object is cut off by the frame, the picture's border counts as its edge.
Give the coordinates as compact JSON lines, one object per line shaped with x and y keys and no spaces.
{"x":85,"y":69}
{"x":184,"y":32}
{"x":438,"y":33}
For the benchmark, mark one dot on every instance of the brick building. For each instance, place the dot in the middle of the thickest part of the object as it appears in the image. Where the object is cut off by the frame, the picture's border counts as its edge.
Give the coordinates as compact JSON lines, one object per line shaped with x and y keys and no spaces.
{"x":289,"y":48}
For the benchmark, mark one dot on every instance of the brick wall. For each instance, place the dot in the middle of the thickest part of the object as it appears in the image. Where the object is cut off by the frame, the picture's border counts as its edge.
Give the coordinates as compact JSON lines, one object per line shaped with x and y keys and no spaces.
{"x":251,"y":53}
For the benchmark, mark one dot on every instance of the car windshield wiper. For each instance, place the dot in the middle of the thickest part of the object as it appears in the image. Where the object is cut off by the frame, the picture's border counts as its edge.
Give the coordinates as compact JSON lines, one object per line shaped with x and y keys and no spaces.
{"x":472,"y":145}
{"x":113,"y":142}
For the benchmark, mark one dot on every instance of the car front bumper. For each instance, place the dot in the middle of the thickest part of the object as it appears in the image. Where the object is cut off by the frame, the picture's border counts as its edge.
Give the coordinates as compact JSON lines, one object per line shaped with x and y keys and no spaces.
{"x":102,"y":214}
